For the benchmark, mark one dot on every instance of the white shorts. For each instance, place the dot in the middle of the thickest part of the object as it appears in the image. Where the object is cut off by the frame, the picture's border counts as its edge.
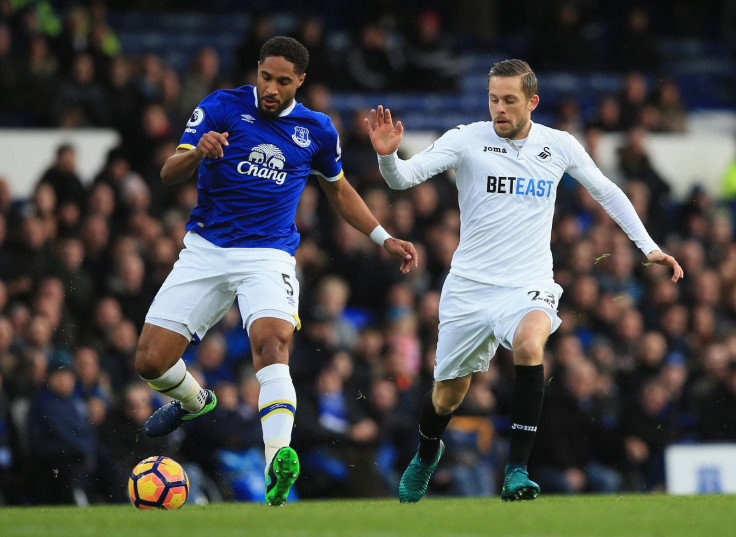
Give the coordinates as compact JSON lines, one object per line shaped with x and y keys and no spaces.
{"x":205,"y":280}
{"x":476,"y":317}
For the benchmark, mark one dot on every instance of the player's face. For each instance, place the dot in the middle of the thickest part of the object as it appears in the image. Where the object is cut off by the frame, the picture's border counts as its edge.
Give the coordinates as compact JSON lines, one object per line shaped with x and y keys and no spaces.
{"x":276,"y":85}
{"x":511,"y":111}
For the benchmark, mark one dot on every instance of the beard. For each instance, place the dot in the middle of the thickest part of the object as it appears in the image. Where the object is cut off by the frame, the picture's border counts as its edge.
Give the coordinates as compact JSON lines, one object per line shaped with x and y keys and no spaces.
{"x":511,"y":131}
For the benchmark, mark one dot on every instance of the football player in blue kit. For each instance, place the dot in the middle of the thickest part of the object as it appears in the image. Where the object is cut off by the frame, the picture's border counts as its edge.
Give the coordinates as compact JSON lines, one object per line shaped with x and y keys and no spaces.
{"x":254,"y":149}
{"x":500,"y":289}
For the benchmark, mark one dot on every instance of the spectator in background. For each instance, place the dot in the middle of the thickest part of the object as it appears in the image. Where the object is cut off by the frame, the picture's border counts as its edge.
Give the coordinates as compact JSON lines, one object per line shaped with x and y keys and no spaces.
{"x":123,"y":96}
{"x":431,"y":63}
{"x":633,"y":99}
{"x":635,"y":164}
{"x":31,"y":259}
{"x":122,"y":444}
{"x":80,"y":100}
{"x":63,"y":176}
{"x":311,"y":33}
{"x":372,"y":62}
{"x":607,"y":115}
{"x":671,"y":112}
{"x":563,"y":42}
{"x":202,"y":78}
{"x":636,"y":46}
{"x":648,"y":424}
{"x":63,"y":444}
{"x":36,"y":77}
{"x":573,"y":443}
{"x":337,"y":441}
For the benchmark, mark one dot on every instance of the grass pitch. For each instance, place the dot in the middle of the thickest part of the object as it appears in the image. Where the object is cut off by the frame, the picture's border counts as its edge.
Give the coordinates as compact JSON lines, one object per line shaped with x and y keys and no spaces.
{"x":558,"y":516}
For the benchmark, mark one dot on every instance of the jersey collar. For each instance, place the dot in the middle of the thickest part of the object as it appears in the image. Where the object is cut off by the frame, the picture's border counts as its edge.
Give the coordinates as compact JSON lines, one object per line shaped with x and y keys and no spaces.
{"x":285,"y":112}
{"x":510,"y":143}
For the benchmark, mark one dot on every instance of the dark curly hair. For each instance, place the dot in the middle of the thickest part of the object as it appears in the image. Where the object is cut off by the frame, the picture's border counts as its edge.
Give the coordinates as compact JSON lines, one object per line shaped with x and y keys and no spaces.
{"x":288,"y":48}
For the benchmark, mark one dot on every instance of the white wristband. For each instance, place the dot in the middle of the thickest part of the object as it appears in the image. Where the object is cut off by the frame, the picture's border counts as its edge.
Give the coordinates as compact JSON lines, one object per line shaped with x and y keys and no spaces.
{"x":379,"y":235}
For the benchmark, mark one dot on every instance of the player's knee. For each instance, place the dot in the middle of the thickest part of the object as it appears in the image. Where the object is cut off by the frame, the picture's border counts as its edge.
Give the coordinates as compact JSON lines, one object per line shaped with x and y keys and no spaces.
{"x":445,"y":403}
{"x":272,"y":350}
{"x":148,"y":362}
{"x":528,"y":352}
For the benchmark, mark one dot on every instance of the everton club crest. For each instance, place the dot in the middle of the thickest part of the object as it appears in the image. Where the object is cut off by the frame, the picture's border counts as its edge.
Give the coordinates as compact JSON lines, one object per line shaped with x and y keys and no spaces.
{"x":301,"y":136}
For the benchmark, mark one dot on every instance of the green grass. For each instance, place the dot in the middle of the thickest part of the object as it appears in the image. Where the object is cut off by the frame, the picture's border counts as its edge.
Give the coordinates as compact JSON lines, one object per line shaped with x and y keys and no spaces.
{"x":563,"y":516}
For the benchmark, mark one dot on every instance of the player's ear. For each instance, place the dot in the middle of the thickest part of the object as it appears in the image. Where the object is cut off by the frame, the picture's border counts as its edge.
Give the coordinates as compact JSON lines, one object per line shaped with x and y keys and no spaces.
{"x":533,"y":102}
{"x":300,"y":80}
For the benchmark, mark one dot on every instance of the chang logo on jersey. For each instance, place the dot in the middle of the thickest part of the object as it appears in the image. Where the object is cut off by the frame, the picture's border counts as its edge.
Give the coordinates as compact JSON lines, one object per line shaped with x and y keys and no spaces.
{"x":519,"y":186}
{"x":266,"y":161}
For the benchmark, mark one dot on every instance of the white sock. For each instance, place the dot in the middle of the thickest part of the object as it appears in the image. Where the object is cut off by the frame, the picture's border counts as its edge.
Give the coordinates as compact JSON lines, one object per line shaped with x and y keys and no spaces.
{"x":178,"y":383}
{"x":276,"y":405}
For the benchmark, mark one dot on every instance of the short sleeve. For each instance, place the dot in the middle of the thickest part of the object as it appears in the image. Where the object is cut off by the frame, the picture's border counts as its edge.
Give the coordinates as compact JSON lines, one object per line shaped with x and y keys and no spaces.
{"x":328,"y":161}
{"x":206,"y":117}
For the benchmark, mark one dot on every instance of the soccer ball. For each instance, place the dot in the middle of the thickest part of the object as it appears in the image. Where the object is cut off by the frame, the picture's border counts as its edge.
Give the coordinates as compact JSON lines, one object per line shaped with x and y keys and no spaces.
{"x":158,"y":483}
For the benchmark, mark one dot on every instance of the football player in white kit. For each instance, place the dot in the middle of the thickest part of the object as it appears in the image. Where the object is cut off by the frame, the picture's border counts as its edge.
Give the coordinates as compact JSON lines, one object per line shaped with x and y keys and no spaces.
{"x":500,"y":289}
{"x":254,"y":148}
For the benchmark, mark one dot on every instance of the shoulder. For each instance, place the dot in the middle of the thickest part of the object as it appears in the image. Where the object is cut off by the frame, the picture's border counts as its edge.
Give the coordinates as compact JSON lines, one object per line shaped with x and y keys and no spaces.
{"x":319,"y":119}
{"x":231,"y":95}
{"x":559,"y":139}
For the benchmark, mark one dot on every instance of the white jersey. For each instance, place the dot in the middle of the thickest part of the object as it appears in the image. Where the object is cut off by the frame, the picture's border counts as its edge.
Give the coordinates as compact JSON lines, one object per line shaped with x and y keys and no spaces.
{"x":507,"y":197}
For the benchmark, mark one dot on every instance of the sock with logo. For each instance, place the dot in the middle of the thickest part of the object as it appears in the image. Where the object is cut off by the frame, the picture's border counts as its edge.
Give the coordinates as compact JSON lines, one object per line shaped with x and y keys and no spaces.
{"x":179,"y":383}
{"x":431,"y":427}
{"x":526,"y":406}
{"x":277,"y":406}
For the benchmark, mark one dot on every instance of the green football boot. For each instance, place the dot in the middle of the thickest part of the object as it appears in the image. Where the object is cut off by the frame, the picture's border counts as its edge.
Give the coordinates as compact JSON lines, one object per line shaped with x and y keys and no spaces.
{"x":282,"y":472}
{"x":517,"y":486}
{"x":416,"y":477}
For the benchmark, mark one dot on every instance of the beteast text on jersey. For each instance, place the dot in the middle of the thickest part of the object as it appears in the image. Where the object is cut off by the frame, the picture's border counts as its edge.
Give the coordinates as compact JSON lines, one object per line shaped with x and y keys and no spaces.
{"x":524,"y":186}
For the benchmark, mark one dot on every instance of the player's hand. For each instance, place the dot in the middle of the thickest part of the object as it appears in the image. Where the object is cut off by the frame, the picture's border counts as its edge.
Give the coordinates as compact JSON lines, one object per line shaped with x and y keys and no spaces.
{"x":660,"y":258}
{"x":403,"y":250}
{"x":384,"y":136}
{"x":211,"y":143}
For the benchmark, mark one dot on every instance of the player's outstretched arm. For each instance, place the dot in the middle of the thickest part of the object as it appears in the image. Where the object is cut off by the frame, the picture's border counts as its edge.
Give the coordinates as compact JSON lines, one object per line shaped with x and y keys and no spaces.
{"x":384,"y":136}
{"x":181,"y":165}
{"x":660,"y":258}
{"x":352,"y":208}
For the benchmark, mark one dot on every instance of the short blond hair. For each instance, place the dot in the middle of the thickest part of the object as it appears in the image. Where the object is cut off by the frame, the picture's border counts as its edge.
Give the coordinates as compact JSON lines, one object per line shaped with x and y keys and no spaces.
{"x":509,"y":68}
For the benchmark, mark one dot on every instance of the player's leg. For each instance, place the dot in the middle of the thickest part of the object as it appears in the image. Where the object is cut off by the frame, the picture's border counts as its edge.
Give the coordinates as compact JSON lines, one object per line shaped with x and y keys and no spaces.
{"x":437,"y":408}
{"x":158,"y":362}
{"x":195,"y":295}
{"x":464,"y":345}
{"x":270,"y":340}
{"x":268,"y":299}
{"x":526,"y":403}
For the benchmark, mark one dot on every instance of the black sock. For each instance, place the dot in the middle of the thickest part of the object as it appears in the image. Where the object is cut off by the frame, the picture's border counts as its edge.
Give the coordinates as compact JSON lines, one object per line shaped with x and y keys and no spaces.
{"x":526,"y":405}
{"x":431,"y":427}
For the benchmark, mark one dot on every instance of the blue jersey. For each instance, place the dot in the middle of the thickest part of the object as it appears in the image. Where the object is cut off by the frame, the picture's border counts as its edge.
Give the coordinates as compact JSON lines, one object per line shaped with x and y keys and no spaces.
{"x":248,"y":198}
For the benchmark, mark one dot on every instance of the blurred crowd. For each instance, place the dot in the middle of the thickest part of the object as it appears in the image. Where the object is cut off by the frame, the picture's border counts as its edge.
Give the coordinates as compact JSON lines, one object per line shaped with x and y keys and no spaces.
{"x":638,"y":363}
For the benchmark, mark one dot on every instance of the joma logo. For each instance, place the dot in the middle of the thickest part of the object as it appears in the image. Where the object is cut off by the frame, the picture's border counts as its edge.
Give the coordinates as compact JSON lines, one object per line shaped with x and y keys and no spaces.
{"x":494,"y":149}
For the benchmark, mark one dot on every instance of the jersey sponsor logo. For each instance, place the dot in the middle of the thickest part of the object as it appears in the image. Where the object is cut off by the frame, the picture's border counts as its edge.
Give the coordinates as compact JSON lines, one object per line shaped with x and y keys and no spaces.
{"x":266,"y":161}
{"x":520,"y":186}
{"x":544,"y":155}
{"x":494,"y":149}
{"x":301,"y":136}
{"x":521,"y":427}
{"x":196,"y":118}
{"x":247,"y":117}
{"x":190,"y":130}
